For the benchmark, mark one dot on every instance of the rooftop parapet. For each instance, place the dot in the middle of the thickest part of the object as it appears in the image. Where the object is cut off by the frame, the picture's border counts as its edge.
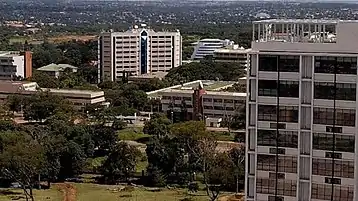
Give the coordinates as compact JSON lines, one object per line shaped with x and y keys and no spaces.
{"x":297,"y":30}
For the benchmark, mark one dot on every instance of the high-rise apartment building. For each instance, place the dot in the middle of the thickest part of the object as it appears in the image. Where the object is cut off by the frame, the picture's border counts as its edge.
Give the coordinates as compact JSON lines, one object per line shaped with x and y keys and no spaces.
{"x":137,"y":51}
{"x":302,"y":111}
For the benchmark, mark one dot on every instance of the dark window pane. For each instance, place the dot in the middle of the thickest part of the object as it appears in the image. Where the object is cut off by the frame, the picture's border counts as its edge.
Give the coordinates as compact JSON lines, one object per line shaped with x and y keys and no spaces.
{"x":339,"y":65}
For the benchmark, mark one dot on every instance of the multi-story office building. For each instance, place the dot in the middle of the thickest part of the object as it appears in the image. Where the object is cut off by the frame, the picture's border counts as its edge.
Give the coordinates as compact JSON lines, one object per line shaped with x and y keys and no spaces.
{"x":206,"y":47}
{"x":232,"y":53}
{"x":302,"y":111}
{"x":200,"y":99}
{"x":79,"y":98}
{"x":139,"y":50}
{"x":15,"y":65}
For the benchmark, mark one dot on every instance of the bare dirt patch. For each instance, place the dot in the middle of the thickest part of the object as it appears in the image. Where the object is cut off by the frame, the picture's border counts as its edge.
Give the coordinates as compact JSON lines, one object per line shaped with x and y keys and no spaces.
{"x":69,"y":191}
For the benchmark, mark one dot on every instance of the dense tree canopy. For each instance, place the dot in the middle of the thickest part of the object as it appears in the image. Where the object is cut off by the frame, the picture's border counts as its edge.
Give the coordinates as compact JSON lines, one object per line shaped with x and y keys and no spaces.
{"x":205,"y":70}
{"x":158,"y":125}
{"x":120,"y":163}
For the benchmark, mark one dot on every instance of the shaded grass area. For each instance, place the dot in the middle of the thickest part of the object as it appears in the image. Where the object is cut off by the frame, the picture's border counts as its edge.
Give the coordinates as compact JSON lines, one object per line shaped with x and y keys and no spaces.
{"x":52,"y":194}
{"x":224,"y":136}
{"x":96,"y":192}
{"x":133,"y":134}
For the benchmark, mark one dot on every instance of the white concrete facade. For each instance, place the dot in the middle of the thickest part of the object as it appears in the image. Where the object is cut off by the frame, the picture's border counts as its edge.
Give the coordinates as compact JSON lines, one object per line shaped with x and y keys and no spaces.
{"x":138,"y":51}
{"x":302,"y":111}
{"x":206,"y":47}
{"x":12,"y":64}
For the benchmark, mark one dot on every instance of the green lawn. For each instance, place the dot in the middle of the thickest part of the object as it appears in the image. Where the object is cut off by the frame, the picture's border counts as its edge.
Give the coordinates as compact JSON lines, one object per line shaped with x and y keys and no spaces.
{"x":224,"y":136}
{"x":132,"y":134}
{"x":95,"y":192}
{"x":40,"y":195}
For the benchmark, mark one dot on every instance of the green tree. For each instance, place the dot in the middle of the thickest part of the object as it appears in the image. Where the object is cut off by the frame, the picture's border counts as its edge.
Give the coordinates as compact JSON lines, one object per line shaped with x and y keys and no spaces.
{"x":237,"y":156}
{"x":158,"y":125}
{"x":167,"y":160}
{"x":218,"y":174}
{"x":205,"y":70}
{"x":42,"y":105}
{"x":121,"y":163}
{"x":21,"y":160}
{"x":104,"y":138}
{"x":15,"y":102}
{"x":237,"y":120}
{"x":44,"y":80}
{"x":72,"y":160}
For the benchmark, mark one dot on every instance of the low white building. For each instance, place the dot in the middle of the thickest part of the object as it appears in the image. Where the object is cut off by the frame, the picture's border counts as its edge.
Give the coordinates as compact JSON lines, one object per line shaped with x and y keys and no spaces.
{"x":232,"y":53}
{"x":55,"y":70}
{"x":206,"y":47}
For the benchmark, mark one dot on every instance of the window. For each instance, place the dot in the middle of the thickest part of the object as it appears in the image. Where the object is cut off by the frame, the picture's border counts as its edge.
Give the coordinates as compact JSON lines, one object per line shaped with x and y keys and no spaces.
{"x":268,"y":63}
{"x":218,"y":100}
{"x":229,"y":108}
{"x":284,"y":138}
{"x":324,"y":192}
{"x":265,"y":186}
{"x":343,"y":143}
{"x":339,"y":65}
{"x":218,"y":107}
{"x":239,"y":101}
{"x":289,"y":63}
{"x":228,"y":101}
{"x":325,"y":90}
{"x":273,"y":175}
{"x":289,"y":89}
{"x":279,"y":126}
{"x":284,"y":187}
{"x":275,"y":198}
{"x":286,"y":88}
{"x":277,"y":151}
{"x":208,"y":100}
{"x":283,"y":63}
{"x":341,"y":168}
{"x":343,"y":117}
{"x":286,"y":113}
{"x":333,"y":155}
{"x":329,"y":180}
{"x":267,"y":88}
{"x":187,"y":98}
{"x":285,"y":163}
{"x":330,"y":129}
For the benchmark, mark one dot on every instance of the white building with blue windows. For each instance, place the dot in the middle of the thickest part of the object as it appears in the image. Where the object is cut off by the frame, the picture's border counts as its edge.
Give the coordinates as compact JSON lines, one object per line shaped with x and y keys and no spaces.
{"x":137,"y":51}
{"x":206,"y":47}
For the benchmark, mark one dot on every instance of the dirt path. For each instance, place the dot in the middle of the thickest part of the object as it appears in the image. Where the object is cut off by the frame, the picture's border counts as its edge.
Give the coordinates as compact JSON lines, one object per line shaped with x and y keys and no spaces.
{"x":231,"y":198}
{"x":68,"y":190}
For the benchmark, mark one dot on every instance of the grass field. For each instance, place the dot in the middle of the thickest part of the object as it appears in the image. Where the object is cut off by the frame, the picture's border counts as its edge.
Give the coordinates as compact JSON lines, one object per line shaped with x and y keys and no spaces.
{"x":132,"y":134}
{"x":94,"y":192}
{"x":52,"y":194}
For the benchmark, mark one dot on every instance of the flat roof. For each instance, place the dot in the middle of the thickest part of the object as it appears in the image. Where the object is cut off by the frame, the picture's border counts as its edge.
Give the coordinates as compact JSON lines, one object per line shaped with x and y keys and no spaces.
{"x":159,"y":75}
{"x":75,"y":91}
{"x":9,"y":53}
{"x":211,"y":87}
{"x":230,"y":50}
{"x":303,"y":21}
